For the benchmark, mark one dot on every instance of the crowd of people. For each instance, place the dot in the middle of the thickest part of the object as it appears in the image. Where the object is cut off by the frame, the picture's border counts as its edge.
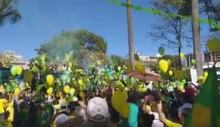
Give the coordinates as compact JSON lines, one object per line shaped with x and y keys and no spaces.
{"x":27,"y":107}
{"x":94,"y":108}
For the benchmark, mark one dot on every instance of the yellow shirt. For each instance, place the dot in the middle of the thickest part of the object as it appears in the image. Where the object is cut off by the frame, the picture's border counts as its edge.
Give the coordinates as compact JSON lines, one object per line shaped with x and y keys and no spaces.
{"x":2,"y":105}
{"x":10,"y":109}
{"x":172,"y":124}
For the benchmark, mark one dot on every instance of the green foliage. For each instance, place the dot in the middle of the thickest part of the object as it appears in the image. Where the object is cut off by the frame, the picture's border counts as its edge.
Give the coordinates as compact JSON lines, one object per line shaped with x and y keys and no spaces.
{"x":8,"y":11}
{"x":211,"y":8}
{"x":136,"y":57}
{"x":79,"y":46}
{"x":116,"y":60}
{"x":186,"y":9}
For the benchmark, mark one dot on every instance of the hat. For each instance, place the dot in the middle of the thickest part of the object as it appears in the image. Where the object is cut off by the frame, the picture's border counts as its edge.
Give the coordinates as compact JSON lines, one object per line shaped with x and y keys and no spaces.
{"x":185,"y":108}
{"x":61,"y":119}
{"x":97,"y":109}
{"x":190,"y":91}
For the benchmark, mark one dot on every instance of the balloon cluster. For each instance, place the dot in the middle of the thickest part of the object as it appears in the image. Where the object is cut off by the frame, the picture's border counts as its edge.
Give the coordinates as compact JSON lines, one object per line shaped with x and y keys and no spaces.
{"x":16,"y":70}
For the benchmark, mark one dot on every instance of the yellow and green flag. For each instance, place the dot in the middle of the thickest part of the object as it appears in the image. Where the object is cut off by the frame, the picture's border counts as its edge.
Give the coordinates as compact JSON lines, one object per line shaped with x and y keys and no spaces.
{"x":205,"y":111}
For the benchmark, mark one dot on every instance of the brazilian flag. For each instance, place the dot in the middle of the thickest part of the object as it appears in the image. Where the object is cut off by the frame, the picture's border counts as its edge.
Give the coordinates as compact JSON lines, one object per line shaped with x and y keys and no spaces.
{"x":44,"y":116}
{"x":206,"y":111}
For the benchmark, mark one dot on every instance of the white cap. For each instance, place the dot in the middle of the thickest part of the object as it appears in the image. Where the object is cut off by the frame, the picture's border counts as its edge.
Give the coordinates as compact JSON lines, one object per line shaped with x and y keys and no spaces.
{"x":97,"y":106}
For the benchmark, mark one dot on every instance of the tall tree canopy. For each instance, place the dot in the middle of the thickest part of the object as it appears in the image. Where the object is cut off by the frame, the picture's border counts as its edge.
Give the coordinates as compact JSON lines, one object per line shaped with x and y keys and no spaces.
{"x":171,"y":31}
{"x":211,"y":8}
{"x":208,"y":8}
{"x":8,"y":11}
{"x":80,"y":46}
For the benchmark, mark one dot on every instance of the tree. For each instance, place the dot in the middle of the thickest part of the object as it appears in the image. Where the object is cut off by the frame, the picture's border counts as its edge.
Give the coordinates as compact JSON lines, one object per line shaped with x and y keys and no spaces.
{"x":194,"y":13}
{"x":117,"y":60}
{"x":211,"y":8}
{"x":130,"y":35}
{"x":196,"y":37}
{"x":6,"y":59}
{"x":172,"y":31}
{"x":79,"y":46}
{"x":8,"y":11}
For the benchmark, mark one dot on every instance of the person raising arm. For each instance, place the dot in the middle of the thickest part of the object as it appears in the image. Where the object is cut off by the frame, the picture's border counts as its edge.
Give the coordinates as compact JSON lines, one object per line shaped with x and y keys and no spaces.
{"x":163,"y":119}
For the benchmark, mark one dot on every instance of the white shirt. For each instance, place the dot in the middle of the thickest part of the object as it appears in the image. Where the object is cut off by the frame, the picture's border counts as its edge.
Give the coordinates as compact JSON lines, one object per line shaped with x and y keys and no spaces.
{"x":156,"y":121}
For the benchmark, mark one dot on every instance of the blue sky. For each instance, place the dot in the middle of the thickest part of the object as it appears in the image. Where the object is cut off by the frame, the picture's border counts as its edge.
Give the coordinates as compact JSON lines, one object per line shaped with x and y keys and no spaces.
{"x":44,"y":19}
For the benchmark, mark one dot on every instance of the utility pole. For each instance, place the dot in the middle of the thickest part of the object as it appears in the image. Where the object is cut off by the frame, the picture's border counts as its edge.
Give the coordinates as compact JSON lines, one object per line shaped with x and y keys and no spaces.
{"x":130,"y":35}
{"x":196,"y":37}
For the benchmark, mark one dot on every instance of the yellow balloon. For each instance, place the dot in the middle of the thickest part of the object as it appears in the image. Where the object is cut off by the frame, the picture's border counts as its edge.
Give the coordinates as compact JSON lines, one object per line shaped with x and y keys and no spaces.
{"x":201,"y":80}
{"x":125,"y":110}
{"x":19,"y":70}
{"x":80,"y":82}
{"x":143,"y":89}
{"x":16,"y":91}
{"x":70,"y":64}
{"x":182,"y":55}
{"x":163,"y":64}
{"x":179,"y":74}
{"x":126,"y":89}
{"x":2,"y":88}
{"x":50,"y":79}
{"x":205,"y":74}
{"x":66,"y":89}
{"x":212,"y":45}
{"x":72,"y":91}
{"x":119,"y":101}
{"x":170,"y":73}
{"x":50,"y":91}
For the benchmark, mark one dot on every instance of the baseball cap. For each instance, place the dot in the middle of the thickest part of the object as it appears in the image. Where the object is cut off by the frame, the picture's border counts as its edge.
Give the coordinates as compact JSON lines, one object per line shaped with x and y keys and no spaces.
{"x":97,"y":109}
{"x":185,"y":108}
{"x":61,"y":119}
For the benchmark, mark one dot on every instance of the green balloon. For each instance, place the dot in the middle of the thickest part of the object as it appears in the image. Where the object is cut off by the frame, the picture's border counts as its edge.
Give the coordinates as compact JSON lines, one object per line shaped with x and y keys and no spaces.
{"x":193,"y":61}
{"x":183,"y":81}
{"x":8,"y":88}
{"x":13,"y":70}
{"x":161,"y":50}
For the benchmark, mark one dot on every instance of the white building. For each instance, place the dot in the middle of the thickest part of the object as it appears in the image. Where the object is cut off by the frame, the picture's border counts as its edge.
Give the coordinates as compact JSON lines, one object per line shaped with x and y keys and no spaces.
{"x":149,"y":60}
{"x":15,"y":59}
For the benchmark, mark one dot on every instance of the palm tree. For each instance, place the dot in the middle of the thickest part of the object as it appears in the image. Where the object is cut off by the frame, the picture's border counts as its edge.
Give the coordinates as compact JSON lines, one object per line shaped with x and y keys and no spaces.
{"x":196,"y":37}
{"x":8,"y":12}
{"x":130,"y":35}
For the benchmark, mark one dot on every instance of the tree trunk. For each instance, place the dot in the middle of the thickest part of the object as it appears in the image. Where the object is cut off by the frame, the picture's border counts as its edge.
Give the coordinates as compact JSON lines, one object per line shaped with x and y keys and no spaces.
{"x":179,"y":58}
{"x":130,"y":36}
{"x":1,"y":3}
{"x":179,"y":42}
{"x":196,"y":37}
